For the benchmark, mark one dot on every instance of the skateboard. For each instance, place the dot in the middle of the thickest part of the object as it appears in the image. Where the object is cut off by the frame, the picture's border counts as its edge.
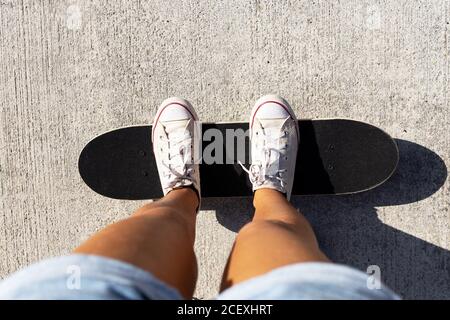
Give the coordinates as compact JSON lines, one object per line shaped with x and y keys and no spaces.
{"x":335,"y":156}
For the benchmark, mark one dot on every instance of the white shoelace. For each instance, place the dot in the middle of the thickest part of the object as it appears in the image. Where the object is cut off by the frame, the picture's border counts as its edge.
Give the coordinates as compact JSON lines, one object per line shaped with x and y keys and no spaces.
{"x":181,"y":169}
{"x":257,"y":172}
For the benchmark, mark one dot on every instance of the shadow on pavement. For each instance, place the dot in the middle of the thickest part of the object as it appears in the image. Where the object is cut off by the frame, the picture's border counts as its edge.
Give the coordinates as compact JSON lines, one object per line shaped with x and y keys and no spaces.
{"x":349,"y":231}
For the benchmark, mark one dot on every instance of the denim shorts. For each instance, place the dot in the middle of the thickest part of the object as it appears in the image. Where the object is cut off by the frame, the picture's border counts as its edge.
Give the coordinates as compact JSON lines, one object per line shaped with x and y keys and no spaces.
{"x":92,"y":277}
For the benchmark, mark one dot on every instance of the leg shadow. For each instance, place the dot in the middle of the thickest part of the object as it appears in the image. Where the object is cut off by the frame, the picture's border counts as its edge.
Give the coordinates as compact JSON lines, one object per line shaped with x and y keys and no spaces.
{"x":350,"y":232}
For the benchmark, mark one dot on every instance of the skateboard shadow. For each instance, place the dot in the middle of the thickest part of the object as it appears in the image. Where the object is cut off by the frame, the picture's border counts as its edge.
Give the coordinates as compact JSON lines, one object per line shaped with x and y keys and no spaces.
{"x":350,"y":232}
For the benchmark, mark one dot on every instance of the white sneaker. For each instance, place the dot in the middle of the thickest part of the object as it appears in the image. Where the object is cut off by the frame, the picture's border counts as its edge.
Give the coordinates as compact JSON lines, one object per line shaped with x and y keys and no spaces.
{"x":176,"y":141}
{"x":274,"y":138}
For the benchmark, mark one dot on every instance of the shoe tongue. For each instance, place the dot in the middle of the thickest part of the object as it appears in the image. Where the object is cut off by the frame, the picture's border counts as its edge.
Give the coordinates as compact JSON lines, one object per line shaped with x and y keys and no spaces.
{"x":272,"y":128}
{"x":274,"y":164}
{"x":180,"y":151}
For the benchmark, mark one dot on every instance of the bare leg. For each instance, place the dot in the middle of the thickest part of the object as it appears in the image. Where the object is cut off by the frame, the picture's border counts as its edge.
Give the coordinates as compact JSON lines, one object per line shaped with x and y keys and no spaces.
{"x":159,"y":237}
{"x":278,"y":235}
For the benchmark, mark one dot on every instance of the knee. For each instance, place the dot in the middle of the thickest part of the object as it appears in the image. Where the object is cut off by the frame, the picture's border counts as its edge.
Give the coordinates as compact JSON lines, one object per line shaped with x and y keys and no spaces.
{"x":167,"y":212}
{"x":168,"y":216}
{"x":256,"y":228}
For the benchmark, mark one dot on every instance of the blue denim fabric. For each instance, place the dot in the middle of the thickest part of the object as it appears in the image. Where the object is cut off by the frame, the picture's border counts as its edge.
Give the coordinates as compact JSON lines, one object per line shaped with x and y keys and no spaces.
{"x":94,"y":277}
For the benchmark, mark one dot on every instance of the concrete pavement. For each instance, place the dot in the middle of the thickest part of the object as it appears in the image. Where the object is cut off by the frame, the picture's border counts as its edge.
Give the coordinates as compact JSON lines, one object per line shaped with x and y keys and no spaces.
{"x":70,"y":70}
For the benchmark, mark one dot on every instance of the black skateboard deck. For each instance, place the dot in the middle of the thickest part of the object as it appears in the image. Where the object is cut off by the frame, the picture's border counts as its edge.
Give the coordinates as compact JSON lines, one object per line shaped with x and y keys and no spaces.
{"x":335,"y":156}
